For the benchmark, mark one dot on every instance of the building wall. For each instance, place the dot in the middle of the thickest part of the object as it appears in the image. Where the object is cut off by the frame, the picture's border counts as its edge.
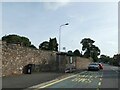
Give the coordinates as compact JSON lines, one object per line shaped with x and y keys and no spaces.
{"x":64,"y":62}
{"x":14,"y":58}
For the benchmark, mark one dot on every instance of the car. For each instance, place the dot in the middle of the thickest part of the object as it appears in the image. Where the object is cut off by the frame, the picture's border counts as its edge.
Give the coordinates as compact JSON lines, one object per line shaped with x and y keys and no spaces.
{"x":100,"y":65}
{"x":93,"y":66}
{"x":69,"y":70}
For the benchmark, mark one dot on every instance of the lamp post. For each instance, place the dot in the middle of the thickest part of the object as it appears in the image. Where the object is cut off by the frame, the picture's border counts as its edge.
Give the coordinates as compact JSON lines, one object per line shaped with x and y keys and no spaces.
{"x":60,"y":34}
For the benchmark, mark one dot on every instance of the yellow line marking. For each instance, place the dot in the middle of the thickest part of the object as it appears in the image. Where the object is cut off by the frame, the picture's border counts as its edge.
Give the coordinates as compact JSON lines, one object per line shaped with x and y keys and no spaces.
{"x":49,"y":83}
{"x":53,"y":83}
{"x":59,"y":81}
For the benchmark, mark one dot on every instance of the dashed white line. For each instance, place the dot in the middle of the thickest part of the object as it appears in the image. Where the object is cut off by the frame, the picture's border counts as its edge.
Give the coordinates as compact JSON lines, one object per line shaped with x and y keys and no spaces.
{"x":100,"y":79}
{"x":99,"y":83}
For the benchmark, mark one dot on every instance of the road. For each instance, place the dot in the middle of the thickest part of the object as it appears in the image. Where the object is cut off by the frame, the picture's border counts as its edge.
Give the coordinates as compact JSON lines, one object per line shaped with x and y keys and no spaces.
{"x":107,"y":78}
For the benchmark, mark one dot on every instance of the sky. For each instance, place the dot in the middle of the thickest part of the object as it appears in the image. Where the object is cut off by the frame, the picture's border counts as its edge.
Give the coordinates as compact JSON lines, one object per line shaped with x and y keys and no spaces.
{"x":40,"y":21}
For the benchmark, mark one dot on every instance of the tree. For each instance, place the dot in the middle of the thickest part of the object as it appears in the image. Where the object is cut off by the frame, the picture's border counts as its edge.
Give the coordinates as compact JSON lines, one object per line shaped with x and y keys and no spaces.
{"x":51,"y":45}
{"x":105,"y":59}
{"x":16,"y":39}
{"x":70,"y":52}
{"x":76,"y":52}
{"x":89,"y":49}
{"x":32,"y":46}
{"x":12,"y":39}
{"x":86,"y":45}
{"x":94,"y":52}
{"x":116,"y":59}
{"x":25,"y":41}
{"x":44,"y":45}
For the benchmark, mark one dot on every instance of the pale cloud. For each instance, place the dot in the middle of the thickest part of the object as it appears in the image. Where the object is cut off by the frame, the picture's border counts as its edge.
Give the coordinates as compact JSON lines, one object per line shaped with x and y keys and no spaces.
{"x":106,"y":39}
{"x":59,"y":0}
{"x":113,"y":43}
{"x":55,"y":5}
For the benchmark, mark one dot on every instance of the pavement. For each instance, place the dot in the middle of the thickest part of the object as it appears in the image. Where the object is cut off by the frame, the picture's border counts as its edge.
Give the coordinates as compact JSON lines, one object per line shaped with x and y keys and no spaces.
{"x":28,"y":80}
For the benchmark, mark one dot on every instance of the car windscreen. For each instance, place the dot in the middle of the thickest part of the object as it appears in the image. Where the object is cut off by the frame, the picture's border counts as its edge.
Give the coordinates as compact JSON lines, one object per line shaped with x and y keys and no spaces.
{"x":93,"y":64}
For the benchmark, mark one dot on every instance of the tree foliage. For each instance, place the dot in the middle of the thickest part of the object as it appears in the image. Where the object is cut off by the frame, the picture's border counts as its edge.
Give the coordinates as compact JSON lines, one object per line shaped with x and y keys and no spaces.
{"x":51,"y":45}
{"x":16,"y":39}
{"x":89,"y":49}
{"x":25,"y":41}
{"x":76,"y":53}
{"x":105,"y":59}
{"x":44,"y":45}
{"x":87,"y":43}
{"x":115,"y":60}
{"x":32,"y":46}
{"x":70,"y":52}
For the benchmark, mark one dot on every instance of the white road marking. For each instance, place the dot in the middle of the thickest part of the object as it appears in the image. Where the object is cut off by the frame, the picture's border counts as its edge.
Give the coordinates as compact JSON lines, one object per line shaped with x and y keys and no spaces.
{"x":47,"y":84}
{"x":99,"y":83}
{"x":100,"y":79}
{"x":115,"y":69}
{"x":83,"y":80}
{"x":95,"y":76}
{"x":79,"y":80}
{"x":91,"y":76}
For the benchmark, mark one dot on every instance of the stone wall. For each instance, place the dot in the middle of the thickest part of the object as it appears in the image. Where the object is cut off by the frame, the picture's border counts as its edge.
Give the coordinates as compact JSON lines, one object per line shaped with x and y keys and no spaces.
{"x":82,"y":63}
{"x":0,"y":59}
{"x":15,"y":57}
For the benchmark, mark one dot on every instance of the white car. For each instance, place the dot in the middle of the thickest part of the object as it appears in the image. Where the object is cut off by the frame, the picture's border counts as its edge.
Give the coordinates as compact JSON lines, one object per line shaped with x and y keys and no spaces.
{"x":94,"y":66}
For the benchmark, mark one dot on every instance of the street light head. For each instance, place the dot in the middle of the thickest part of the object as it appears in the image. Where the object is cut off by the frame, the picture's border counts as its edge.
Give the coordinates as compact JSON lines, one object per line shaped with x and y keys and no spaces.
{"x":67,"y":24}
{"x":64,"y":24}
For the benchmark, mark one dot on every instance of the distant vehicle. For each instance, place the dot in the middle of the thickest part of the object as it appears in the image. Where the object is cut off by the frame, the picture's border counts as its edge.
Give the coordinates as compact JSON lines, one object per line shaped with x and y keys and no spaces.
{"x":93,"y":66}
{"x":69,"y":70}
{"x":100,"y":65}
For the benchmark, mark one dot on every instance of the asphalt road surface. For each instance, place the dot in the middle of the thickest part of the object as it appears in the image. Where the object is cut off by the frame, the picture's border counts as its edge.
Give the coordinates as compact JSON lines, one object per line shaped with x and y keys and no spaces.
{"x":108,"y":78}
{"x":27,"y":80}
